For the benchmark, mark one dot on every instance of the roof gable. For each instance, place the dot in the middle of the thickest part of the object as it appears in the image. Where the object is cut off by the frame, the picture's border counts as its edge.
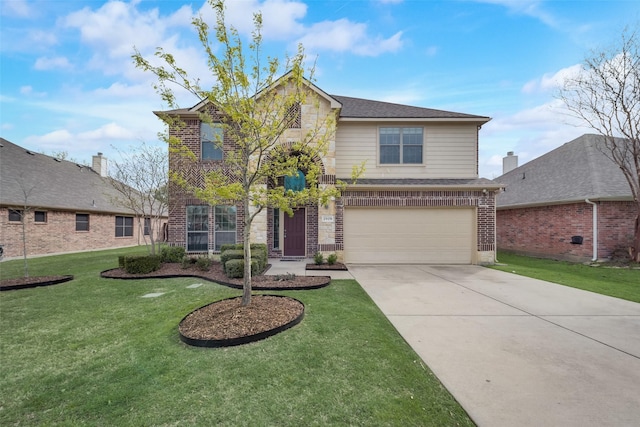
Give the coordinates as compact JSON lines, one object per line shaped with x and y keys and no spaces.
{"x":573,"y":172}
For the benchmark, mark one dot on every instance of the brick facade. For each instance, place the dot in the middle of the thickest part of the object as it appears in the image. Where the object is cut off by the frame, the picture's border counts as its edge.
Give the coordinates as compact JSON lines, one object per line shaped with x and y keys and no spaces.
{"x":546,"y":231}
{"x":58,"y":234}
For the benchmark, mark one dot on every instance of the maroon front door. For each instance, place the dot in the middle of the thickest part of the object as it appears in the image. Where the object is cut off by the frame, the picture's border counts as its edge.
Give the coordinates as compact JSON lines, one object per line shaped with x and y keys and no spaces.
{"x":294,"y":233}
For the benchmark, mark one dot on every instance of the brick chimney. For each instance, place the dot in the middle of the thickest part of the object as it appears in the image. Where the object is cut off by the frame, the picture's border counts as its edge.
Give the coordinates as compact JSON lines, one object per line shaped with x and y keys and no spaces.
{"x":509,"y":163}
{"x":100,"y":165}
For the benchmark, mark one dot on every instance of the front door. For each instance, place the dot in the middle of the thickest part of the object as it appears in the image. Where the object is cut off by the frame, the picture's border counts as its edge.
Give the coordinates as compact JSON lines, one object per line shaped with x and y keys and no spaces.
{"x":294,"y":233}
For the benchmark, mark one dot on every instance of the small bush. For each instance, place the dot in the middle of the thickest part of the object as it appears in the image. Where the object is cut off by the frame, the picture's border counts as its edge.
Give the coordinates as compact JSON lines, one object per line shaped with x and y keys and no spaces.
{"x":284,"y":277}
{"x":136,"y":264}
{"x":230,"y":246}
{"x":185,"y":263}
{"x":172,"y":254}
{"x":230,"y":254}
{"x":203,"y":263}
{"x":121,"y":261}
{"x":331,"y":259}
{"x":318,"y":258}
{"x":234,"y":268}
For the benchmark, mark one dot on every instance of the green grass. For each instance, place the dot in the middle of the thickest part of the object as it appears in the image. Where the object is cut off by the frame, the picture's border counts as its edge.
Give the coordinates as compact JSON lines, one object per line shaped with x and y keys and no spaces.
{"x":616,"y":282}
{"x":93,"y":352}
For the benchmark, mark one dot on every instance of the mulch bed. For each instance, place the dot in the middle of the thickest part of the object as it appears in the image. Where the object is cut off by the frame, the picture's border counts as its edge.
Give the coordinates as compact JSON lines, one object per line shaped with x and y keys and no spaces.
{"x":32,"y":282}
{"x":226,"y":323}
{"x":338,"y":266}
{"x":216,"y":274}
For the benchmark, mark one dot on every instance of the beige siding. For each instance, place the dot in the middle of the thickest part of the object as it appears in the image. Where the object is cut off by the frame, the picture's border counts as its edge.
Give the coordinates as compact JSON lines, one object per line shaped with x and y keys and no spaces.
{"x":450,"y":151}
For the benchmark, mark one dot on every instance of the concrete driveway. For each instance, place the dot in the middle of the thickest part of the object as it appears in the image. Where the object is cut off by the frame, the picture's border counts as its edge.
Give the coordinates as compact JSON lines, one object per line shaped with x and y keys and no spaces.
{"x":516,"y":351}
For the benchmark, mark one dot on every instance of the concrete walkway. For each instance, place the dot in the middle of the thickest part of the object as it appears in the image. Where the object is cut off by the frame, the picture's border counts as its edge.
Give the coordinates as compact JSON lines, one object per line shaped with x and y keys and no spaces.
{"x":516,"y":351}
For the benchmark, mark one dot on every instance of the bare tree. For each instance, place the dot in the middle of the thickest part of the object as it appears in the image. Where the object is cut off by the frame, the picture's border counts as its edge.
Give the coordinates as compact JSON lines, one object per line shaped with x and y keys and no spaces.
{"x":605,"y":95}
{"x":26,"y":190}
{"x":141,"y":178}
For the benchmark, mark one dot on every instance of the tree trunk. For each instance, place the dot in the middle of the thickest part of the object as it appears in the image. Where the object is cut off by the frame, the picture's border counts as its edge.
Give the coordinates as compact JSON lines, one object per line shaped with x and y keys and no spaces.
{"x":24,"y":244}
{"x":634,"y":251}
{"x":246,"y":238}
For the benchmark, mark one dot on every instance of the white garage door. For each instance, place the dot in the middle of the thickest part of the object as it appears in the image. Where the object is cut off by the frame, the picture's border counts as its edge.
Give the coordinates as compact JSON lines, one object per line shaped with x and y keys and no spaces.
{"x":408,"y":235}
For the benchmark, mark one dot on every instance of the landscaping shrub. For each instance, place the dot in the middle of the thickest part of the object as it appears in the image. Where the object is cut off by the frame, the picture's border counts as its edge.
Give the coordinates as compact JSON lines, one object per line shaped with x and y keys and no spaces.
{"x":203,"y":263}
{"x":260,"y":253}
{"x":235,"y":252}
{"x":230,"y":246}
{"x":234,"y":268}
{"x":141,"y":264}
{"x":318,"y":258}
{"x":121,"y":261}
{"x":331,"y":259}
{"x":230,"y":254}
{"x":186,"y":262}
{"x":172,"y":253}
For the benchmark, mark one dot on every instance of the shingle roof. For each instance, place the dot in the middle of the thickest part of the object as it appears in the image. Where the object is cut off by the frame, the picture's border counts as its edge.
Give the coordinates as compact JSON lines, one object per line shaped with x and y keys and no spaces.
{"x":358,"y":108}
{"x":366,"y":108}
{"x":55,"y":184}
{"x":572,"y":172}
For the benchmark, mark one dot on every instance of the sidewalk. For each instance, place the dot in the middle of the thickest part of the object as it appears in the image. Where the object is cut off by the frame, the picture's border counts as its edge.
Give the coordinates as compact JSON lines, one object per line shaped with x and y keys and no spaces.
{"x":298,"y":268}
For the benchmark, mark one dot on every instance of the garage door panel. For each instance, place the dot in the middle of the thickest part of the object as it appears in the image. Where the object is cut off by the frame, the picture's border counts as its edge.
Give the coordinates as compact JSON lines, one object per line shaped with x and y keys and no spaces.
{"x":396,"y":235}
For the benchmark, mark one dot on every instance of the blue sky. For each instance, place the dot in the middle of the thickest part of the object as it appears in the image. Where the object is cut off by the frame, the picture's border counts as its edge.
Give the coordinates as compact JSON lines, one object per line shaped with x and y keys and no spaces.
{"x":67,"y":82}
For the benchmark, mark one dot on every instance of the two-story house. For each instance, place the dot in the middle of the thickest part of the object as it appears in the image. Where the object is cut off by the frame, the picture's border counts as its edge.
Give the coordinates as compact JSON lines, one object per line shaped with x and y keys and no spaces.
{"x":420,"y":199}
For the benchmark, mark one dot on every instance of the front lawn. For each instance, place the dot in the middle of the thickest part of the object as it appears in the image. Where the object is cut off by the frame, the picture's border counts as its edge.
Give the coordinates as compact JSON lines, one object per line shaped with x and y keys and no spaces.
{"x":613,"y":281}
{"x":93,"y":351}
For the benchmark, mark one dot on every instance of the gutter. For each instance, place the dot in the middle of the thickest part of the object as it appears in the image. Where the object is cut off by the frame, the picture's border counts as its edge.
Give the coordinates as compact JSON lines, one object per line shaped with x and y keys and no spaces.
{"x":595,"y":229}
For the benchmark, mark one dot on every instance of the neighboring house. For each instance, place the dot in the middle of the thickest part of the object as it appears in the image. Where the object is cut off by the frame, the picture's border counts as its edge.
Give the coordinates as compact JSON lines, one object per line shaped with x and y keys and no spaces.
{"x":68,"y":206}
{"x":572,"y":203}
{"x":420,"y":199}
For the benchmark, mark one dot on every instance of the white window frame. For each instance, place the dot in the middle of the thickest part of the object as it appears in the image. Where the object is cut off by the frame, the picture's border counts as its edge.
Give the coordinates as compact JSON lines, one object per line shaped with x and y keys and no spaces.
{"x":401,"y":145}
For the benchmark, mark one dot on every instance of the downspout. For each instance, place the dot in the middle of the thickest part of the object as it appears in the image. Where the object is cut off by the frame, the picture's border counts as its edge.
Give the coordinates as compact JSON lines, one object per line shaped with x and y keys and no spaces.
{"x":595,"y":229}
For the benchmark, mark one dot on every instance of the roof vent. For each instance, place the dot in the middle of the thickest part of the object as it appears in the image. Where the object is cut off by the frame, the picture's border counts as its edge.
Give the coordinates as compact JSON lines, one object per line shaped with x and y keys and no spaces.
{"x":30,"y":152}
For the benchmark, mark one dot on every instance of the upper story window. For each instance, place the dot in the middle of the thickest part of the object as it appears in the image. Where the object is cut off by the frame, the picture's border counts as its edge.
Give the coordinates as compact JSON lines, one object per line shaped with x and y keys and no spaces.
{"x":211,"y":137}
{"x":401,"y":145}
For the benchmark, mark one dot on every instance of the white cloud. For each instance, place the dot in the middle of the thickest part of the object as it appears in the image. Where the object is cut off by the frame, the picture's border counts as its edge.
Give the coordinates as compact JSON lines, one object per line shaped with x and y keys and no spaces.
{"x":16,"y":9}
{"x":110,"y":131}
{"x":551,"y":81}
{"x":28,"y":91}
{"x":530,"y":133}
{"x":344,"y":35}
{"x":282,"y":21}
{"x":280,"y":18}
{"x":46,"y":63}
{"x":532,"y":8}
